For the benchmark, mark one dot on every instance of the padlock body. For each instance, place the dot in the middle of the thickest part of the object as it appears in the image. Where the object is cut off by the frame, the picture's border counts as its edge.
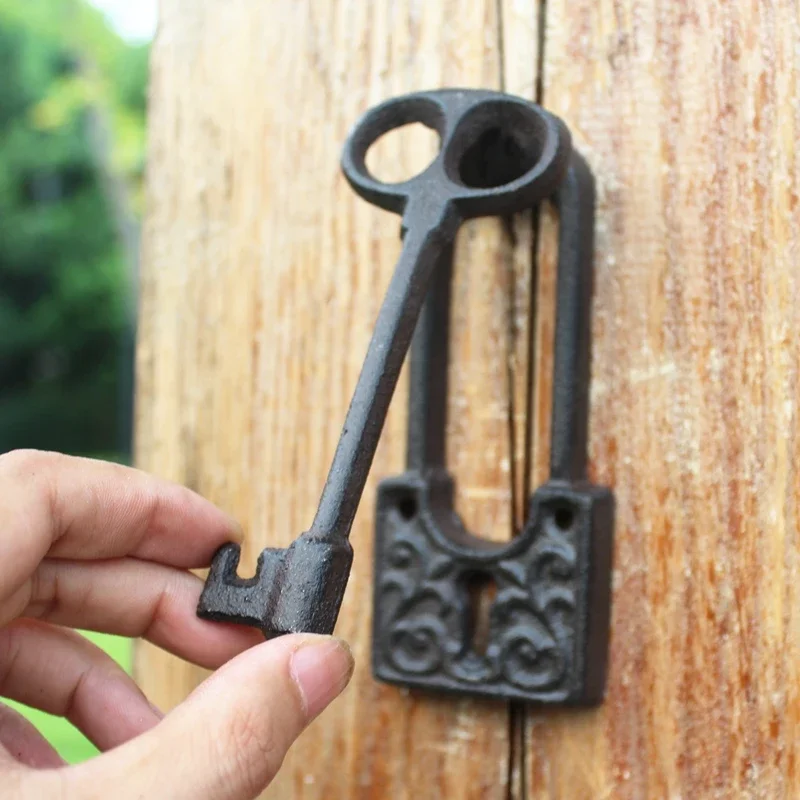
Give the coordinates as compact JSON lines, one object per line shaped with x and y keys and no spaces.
{"x":546,"y":640}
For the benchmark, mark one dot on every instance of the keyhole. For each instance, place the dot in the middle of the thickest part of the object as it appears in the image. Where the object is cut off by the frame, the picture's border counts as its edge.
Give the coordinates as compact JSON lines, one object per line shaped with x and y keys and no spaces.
{"x":407,"y":506}
{"x":564,"y":517}
{"x":481,"y":592}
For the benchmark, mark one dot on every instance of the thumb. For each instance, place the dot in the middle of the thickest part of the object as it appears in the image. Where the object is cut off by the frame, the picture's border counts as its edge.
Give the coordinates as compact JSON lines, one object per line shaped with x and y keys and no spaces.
{"x":229,"y":738}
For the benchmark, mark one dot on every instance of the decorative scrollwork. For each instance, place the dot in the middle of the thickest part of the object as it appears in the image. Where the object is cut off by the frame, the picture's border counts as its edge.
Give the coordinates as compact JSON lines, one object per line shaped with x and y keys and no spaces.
{"x":531,"y":662}
{"x":416,"y":645}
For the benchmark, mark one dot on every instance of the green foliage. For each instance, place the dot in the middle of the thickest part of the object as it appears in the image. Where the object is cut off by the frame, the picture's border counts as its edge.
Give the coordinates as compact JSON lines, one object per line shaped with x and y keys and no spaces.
{"x":65,"y":76}
{"x":64,"y":275}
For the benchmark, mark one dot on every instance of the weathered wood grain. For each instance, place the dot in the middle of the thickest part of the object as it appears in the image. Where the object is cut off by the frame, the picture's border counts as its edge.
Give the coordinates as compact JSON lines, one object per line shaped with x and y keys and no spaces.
{"x":263,"y":273}
{"x":262,"y":277}
{"x":690,"y":116}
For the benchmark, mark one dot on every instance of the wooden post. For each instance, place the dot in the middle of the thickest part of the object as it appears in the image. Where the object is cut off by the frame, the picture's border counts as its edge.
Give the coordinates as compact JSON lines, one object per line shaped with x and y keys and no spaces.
{"x":690,"y":116}
{"x":262,"y":277}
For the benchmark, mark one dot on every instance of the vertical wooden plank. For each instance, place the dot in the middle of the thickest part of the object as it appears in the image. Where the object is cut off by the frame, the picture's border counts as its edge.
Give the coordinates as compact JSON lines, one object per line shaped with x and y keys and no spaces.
{"x":519,"y":37}
{"x":262,"y":277}
{"x":690,"y":117}
{"x":520,"y":48}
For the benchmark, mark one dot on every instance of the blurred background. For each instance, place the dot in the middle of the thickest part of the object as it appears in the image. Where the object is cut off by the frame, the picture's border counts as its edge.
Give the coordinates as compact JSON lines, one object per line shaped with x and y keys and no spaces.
{"x":73,"y":91}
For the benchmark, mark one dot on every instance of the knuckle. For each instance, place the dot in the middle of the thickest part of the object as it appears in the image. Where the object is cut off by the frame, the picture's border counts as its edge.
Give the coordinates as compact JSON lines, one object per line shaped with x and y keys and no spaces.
{"x":44,"y":783}
{"x":29,"y":468}
{"x":21,"y":782}
{"x":24,"y":463}
{"x":11,"y":641}
{"x":14,"y":781}
{"x":42,"y":588}
{"x":255,"y":750}
{"x":35,"y":474}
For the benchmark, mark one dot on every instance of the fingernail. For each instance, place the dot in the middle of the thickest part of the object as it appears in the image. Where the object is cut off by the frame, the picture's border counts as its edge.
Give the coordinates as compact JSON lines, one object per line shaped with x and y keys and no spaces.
{"x":321,"y":671}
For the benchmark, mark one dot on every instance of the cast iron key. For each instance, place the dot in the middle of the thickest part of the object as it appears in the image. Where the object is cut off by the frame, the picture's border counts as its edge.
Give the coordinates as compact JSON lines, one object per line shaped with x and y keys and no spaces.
{"x":499,"y":155}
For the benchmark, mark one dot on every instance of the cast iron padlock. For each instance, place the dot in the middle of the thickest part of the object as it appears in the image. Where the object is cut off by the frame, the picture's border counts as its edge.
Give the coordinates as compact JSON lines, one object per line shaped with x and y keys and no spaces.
{"x":548,"y":623}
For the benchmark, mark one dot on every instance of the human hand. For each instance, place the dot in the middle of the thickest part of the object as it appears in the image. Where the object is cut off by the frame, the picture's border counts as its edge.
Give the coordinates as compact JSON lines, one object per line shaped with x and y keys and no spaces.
{"x":98,"y":546}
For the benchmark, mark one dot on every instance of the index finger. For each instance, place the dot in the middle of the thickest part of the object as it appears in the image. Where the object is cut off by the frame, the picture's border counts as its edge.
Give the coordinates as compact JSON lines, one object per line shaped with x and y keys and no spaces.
{"x":79,"y":508}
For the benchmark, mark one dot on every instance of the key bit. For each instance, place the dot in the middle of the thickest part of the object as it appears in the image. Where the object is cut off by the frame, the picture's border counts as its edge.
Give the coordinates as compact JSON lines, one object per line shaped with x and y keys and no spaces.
{"x":500,"y":154}
{"x":295,"y":589}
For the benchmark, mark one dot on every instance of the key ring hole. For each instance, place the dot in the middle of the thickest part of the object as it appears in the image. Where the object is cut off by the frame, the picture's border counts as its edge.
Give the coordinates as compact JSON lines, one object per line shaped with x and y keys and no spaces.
{"x":495,"y":159}
{"x":394,"y":115}
{"x":496,"y":144}
{"x":402,"y":152}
